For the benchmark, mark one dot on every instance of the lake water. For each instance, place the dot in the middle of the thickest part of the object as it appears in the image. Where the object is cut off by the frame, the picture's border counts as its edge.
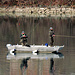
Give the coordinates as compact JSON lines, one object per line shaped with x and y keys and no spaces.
{"x":37,"y":29}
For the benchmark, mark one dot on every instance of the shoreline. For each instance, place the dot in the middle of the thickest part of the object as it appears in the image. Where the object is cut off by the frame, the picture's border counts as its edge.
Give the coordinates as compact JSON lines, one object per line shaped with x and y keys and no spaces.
{"x":37,"y":10}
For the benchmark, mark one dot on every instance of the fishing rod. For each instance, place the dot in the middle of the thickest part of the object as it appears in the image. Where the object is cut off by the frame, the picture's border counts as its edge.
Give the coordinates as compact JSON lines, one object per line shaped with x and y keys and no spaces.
{"x":64,"y":36}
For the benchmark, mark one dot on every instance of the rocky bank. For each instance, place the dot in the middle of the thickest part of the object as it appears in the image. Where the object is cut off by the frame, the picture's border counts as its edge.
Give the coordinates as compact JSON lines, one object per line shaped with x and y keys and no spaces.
{"x":38,"y":10}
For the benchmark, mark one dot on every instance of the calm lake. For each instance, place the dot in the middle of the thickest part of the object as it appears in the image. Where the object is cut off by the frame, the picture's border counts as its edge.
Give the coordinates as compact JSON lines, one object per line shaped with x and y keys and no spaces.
{"x":37,"y":29}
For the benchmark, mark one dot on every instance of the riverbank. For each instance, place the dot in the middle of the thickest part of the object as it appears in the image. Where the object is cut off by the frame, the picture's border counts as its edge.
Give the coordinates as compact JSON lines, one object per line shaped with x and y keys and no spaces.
{"x":37,"y":10}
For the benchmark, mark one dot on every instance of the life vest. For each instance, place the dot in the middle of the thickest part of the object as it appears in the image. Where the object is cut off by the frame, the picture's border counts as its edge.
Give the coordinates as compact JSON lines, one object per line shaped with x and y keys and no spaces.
{"x":23,"y":35}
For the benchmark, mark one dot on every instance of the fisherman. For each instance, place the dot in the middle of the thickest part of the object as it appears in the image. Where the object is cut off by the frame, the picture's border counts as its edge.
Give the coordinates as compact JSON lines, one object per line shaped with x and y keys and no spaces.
{"x":23,"y":38}
{"x":51,"y":34}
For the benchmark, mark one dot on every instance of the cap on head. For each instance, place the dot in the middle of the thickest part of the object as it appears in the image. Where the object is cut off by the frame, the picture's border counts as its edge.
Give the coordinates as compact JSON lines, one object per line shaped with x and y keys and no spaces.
{"x":51,"y":28}
{"x":22,"y":32}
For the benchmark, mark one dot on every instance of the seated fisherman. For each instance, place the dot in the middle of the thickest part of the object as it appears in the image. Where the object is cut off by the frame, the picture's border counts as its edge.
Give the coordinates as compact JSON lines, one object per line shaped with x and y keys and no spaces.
{"x":23,"y":38}
{"x":51,"y":34}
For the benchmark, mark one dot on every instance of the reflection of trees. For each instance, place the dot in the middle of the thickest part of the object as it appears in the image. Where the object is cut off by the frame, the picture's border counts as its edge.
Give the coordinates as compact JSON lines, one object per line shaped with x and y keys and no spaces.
{"x":10,"y":28}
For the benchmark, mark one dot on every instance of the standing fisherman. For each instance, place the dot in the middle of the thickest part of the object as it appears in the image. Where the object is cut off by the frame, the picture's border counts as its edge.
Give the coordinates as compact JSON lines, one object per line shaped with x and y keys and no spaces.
{"x":51,"y":34}
{"x":23,"y":38}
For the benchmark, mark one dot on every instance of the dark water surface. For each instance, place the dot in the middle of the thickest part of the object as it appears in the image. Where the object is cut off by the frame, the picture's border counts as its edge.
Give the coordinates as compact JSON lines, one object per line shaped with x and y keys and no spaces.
{"x":37,"y":30}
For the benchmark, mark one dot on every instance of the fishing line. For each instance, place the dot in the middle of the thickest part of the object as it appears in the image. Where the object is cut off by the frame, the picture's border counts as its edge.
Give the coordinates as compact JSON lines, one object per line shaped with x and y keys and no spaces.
{"x":65,"y":36}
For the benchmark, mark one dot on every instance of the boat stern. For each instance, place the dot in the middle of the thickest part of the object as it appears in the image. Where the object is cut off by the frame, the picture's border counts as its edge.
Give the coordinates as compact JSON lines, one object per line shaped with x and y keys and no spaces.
{"x":61,"y":47}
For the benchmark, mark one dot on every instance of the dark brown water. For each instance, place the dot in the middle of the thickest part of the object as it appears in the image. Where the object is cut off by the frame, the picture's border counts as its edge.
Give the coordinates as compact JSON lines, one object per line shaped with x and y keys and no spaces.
{"x":37,"y":30}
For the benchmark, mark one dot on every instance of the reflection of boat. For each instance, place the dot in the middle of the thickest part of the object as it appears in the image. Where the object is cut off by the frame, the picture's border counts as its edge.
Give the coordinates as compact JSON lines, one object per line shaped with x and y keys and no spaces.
{"x":32,"y":56}
{"x":34,"y":47}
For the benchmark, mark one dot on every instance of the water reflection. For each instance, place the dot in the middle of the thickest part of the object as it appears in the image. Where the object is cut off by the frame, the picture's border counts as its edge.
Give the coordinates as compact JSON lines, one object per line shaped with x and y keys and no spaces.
{"x":24,"y":63}
{"x":32,"y":56}
{"x":37,"y":30}
{"x":27,"y":57}
{"x":52,"y":66}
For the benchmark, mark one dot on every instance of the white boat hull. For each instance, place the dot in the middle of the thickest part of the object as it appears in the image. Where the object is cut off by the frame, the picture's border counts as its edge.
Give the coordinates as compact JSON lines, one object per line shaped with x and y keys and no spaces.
{"x":34,"y":47}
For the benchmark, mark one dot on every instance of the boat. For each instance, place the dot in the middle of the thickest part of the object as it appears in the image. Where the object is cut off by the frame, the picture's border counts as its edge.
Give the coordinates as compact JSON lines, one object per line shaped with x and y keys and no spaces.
{"x":18,"y":56}
{"x":34,"y":48}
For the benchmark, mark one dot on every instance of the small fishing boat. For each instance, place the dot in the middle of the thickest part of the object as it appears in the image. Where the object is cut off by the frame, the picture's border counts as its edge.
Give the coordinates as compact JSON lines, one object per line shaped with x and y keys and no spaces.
{"x":34,"y":48}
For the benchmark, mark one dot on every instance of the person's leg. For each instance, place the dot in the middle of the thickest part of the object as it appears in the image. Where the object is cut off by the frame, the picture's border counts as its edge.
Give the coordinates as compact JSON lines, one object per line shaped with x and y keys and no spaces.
{"x":52,"y":40}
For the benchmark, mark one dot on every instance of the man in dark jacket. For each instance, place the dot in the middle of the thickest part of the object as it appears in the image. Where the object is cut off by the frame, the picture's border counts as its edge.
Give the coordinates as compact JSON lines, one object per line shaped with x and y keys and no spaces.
{"x":51,"y":34}
{"x":23,"y":38}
